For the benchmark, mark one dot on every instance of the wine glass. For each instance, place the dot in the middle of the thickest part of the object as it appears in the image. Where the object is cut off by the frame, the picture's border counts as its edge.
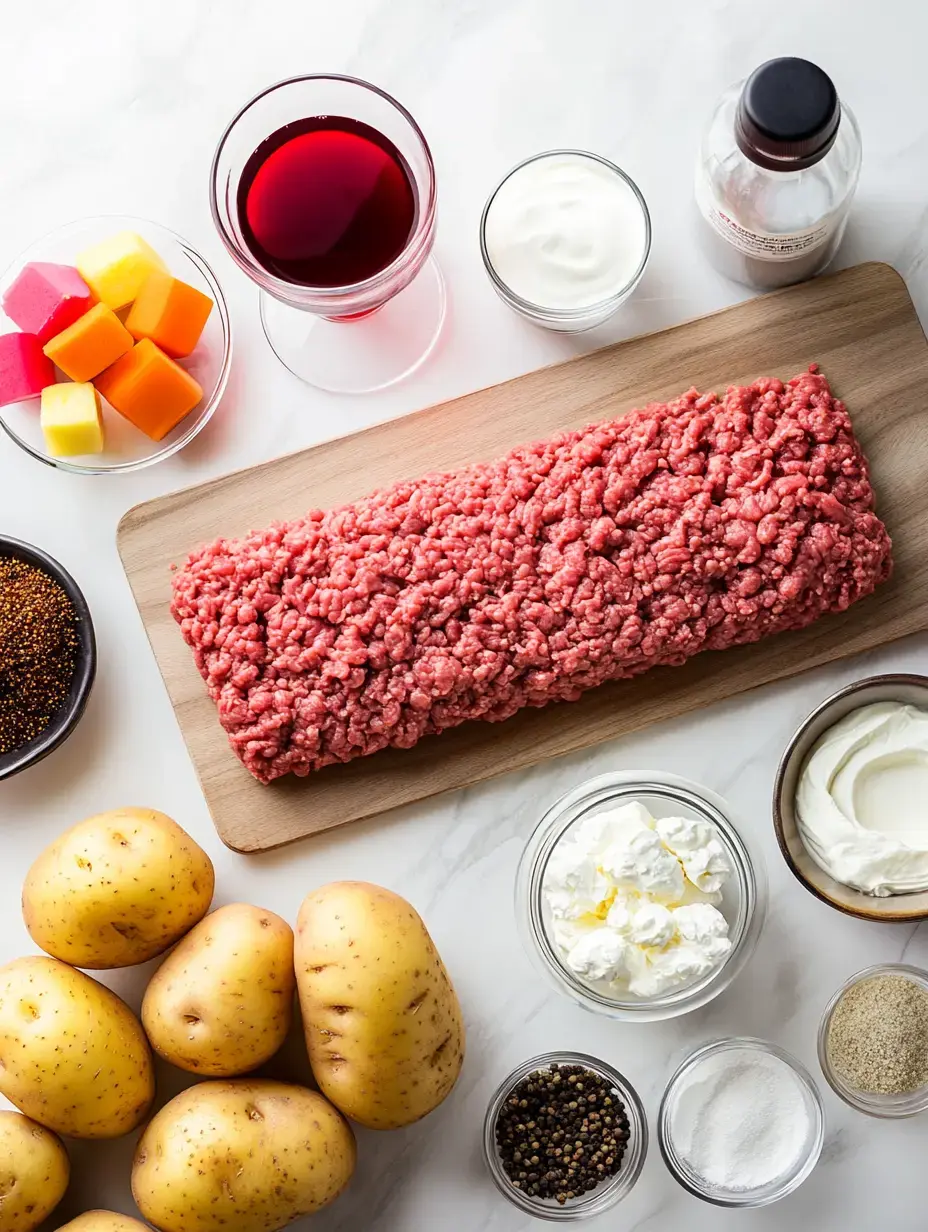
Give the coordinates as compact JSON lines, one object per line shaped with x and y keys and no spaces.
{"x":310,"y":183}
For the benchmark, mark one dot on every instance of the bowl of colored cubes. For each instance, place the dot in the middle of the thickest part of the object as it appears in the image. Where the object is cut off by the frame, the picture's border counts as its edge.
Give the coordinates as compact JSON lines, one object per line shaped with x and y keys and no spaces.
{"x":115,"y":346}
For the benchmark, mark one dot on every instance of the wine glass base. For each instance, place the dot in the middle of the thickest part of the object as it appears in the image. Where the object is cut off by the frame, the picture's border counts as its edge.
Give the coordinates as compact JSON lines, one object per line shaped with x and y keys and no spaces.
{"x":366,"y":354}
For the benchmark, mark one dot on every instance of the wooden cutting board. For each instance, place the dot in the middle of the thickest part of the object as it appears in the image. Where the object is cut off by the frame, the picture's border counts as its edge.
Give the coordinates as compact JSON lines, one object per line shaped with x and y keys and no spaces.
{"x":859,"y":325}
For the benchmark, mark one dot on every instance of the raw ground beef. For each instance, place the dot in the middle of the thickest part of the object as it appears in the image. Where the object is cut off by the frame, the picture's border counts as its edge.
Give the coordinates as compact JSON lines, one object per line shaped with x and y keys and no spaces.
{"x":700,"y":524}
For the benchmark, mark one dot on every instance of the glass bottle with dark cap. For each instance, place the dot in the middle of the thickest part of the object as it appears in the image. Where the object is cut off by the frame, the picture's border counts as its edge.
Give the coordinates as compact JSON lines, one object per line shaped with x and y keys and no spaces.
{"x":776,"y":175}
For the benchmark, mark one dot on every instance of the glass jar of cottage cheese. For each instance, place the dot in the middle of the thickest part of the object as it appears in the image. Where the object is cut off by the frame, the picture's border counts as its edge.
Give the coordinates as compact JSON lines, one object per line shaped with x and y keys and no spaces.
{"x":640,"y":898}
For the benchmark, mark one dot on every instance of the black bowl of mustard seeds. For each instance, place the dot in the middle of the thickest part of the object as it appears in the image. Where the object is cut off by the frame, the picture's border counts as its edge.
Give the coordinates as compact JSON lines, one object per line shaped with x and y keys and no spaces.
{"x":48,"y":655}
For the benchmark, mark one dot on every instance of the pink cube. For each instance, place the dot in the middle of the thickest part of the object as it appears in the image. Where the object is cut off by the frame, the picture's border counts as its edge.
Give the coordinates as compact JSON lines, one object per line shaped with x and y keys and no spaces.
{"x":44,"y":299}
{"x":25,"y":370}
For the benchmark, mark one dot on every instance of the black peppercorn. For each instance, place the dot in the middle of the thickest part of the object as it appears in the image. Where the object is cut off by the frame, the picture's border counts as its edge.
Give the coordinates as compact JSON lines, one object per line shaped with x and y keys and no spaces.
{"x":547,"y":1124}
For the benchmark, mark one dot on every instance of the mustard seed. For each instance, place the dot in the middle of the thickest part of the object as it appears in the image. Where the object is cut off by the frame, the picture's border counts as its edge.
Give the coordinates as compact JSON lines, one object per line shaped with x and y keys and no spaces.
{"x":38,"y":651}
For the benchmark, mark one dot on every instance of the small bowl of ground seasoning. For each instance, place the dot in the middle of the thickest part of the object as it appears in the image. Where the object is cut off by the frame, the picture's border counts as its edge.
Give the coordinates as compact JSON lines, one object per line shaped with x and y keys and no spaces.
{"x":565,"y":1137}
{"x":873,"y":1041}
{"x":48,"y":655}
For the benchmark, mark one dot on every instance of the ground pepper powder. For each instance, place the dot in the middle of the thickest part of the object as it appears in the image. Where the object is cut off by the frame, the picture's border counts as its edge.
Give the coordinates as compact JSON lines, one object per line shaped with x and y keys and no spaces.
{"x":561,"y":1132}
{"x":878,"y":1036}
{"x":38,"y":651}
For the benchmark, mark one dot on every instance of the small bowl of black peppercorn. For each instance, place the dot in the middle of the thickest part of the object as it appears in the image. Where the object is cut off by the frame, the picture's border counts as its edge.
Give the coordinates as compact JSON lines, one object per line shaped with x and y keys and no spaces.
{"x":48,"y":655}
{"x":565,"y":1137}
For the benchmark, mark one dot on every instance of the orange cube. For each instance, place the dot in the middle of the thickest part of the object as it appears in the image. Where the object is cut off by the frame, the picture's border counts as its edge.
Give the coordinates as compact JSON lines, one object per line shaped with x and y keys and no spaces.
{"x":92,"y":343}
{"x":149,"y":389}
{"x":169,"y":312}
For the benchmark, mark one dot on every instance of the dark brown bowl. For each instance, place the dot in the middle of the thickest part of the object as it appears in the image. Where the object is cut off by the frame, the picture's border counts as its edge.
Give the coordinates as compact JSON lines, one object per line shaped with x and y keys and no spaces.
{"x":85,"y":669}
{"x":896,"y":909}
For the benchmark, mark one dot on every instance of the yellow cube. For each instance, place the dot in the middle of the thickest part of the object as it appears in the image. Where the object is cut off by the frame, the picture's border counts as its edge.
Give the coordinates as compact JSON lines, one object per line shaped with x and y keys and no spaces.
{"x":71,"y":419}
{"x":116,"y":269}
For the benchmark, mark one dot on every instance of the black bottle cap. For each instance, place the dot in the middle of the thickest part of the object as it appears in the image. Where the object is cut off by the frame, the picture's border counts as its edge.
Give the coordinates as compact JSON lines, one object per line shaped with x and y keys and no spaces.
{"x":788,"y":115}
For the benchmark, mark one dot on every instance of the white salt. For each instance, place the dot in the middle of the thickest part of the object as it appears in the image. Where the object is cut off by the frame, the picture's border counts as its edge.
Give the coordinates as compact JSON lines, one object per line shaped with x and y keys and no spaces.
{"x":742,"y":1120}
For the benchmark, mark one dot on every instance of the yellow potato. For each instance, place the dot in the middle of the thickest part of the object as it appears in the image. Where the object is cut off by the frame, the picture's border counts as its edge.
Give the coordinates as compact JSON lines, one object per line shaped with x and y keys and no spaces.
{"x":245,"y":1155}
{"x":104,"y":1221}
{"x":382,"y":1020}
{"x":221,"y":1003}
{"x":72,"y":1055}
{"x":34,"y":1172}
{"x":117,"y":889}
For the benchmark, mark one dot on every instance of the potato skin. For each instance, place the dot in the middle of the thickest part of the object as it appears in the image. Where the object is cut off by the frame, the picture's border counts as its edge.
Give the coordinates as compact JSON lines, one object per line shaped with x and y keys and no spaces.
{"x":73,"y":1056}
{"x":244,"y":1154}
{"x":34,"y":1172}
{"x":383,"y":1024}
{"x":221,"y":1003}
{"x":117,"y":889}
{"x":104,"y":1221}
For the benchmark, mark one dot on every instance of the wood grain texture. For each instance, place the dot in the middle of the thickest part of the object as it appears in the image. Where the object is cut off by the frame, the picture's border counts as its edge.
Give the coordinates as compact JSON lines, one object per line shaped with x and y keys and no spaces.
{"x":859,"y":325}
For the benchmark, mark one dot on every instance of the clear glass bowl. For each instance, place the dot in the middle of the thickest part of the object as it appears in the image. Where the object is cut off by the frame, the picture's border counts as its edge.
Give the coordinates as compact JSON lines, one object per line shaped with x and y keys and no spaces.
{"x":574,"y":320}
{"x":886,"y":1106}
{"x":698,"y":1185}
{"x":128,"y":449}
{"x":604,"y":1196}
{"x":744,"y":895}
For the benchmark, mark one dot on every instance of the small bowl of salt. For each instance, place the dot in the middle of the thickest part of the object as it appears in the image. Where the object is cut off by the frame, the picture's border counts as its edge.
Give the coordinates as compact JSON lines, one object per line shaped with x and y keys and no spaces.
{"x":741,"y":1123}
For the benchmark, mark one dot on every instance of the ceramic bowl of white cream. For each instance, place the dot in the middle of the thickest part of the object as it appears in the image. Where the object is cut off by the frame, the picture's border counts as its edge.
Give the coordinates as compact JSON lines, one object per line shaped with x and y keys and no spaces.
{"x":640,"y":898}
{"x":849,"y":800}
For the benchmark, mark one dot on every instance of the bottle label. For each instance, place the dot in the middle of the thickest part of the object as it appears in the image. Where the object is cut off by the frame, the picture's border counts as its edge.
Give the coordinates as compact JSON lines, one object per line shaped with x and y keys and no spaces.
{"x":783,"y":247}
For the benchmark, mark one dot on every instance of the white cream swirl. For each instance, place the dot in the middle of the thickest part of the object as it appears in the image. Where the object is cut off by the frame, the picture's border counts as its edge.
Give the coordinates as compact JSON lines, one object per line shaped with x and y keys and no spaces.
{"x":861,"y":799}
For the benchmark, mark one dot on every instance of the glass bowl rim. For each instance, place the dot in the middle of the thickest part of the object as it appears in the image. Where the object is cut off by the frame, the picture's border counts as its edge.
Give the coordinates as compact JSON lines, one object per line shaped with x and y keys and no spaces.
{"x":604,"y":1196}
{"x":714,"y":1194}
{"x":211,"y":401}
{"x":279,"y":287}
{"x":748,"y":864}
{"x":566,"y":315}
{"x":883,"y":1107}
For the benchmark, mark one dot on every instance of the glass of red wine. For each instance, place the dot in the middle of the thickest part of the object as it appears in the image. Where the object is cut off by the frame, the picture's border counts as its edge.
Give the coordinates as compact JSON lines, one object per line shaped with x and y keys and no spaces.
{"x":323,"y":190}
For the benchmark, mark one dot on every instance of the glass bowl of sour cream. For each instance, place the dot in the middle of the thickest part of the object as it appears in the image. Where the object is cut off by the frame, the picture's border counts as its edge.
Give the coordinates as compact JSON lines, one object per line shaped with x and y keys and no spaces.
{"x":848,"y":802}
{"x":640,"y":898}
{"x":565,"y":238}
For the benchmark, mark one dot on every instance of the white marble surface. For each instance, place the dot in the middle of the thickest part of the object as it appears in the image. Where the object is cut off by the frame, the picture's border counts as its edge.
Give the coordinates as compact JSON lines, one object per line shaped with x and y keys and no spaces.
{"x":114,"y":107}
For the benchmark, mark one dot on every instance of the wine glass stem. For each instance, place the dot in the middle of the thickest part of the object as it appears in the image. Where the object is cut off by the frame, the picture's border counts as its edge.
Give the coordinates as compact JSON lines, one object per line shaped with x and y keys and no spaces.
{"x":354,"y":316}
